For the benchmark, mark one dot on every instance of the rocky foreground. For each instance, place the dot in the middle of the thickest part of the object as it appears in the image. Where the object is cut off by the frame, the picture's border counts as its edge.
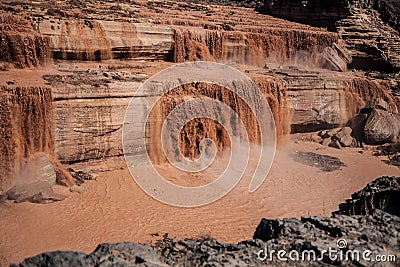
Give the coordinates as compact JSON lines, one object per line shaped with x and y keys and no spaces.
{"x":367,"y":222}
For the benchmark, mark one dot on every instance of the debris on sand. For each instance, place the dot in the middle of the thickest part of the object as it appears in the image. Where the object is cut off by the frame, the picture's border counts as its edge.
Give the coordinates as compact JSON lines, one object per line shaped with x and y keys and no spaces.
{"x":392,"y":151}
{"x":324,"y":162}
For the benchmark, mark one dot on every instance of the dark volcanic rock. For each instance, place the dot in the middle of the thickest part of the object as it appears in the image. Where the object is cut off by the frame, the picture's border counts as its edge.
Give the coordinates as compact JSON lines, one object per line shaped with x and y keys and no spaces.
{"x":378,"y":232}
{"x":121,"y":254}
{"x":383,"y":194}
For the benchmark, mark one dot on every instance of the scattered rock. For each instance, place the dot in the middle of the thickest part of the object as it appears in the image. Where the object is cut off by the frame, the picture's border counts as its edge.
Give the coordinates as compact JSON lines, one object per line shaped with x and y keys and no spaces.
{"x":392,"y":151}
{"x":347,"y":141}
{"x":347,"y":131}
{"x":39,"y":192}
{"x":332,"y":132}
{"x":326,"y":142}
{"x":376,"y":124}
{"x":80,"y":176}
{"x":324,"y":162}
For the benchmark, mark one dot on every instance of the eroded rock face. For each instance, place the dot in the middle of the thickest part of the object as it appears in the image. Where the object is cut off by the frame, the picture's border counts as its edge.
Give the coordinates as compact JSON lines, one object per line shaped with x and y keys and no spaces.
{"x":20,"y":44}
{"x":382,"y":194}
{"x":100,"y":40}
{"x":121,"y":254}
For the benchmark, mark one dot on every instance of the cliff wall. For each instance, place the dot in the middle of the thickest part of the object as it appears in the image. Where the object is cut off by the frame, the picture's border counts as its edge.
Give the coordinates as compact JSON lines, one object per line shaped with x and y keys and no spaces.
{"x":279,"y":45}
{"x":77,"y":39}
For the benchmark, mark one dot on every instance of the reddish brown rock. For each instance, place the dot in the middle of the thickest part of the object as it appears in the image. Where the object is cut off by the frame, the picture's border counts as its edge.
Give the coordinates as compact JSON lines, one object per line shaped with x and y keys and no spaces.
{"x":20,"y":44}
{"x":381,"y":127}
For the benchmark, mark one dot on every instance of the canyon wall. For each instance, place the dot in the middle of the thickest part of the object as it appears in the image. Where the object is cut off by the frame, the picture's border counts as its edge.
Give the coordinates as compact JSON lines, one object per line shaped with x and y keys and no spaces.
{"x":197,"y":129}
{"x":250,"y":48}
{"x":89,"y":119}
{"x":372,"y":43}
{"x":100,"y":40}
{"x":26,"y":127}
{"x":320,"y":13}
{"x":78,"y":39}
{"x":326,"y":102}
{"x":20,"y":44}
{"x":89,"y":106}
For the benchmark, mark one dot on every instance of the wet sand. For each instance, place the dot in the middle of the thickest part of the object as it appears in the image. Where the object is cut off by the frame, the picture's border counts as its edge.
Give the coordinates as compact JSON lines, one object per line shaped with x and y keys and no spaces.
{"x":114,"y":209}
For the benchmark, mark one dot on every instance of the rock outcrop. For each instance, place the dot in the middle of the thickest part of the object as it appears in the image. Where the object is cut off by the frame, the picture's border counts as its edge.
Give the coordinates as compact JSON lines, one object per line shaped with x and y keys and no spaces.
{"x":391,"y":151}
{"x":35,"y":180}
{"x":382,"y":194}
{"x":320,"y":13}
{"x":373,"y":44}
{"x":91,"y":129}
{"x":390,"y":11}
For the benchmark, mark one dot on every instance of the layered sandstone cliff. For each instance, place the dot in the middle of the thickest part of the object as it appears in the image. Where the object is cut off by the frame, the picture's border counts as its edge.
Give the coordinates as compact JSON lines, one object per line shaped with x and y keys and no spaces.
{"x":249,"y":48}
{"x":373,"y":44}
{"x":77,"y":39}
